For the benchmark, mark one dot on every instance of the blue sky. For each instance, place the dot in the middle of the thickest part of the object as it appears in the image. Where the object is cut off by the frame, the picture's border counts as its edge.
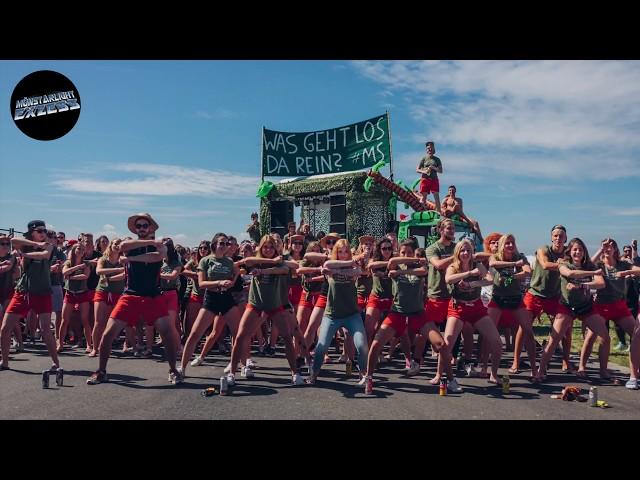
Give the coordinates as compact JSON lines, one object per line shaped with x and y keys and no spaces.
{"x":528,"y":144}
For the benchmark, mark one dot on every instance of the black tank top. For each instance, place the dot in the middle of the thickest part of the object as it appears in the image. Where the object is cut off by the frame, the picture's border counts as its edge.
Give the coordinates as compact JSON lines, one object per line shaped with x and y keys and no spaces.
{"x":143,"y":279}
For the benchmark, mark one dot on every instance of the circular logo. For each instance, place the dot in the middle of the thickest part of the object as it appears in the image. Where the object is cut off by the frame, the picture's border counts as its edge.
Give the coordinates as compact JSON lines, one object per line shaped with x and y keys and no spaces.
{"x":45,"y":105}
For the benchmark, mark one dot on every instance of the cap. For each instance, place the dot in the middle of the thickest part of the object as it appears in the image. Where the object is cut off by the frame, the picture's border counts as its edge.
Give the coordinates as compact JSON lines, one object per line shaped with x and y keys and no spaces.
{"x":33,"y":224}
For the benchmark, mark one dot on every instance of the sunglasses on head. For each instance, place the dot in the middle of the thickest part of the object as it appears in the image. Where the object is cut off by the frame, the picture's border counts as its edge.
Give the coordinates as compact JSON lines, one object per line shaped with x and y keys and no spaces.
{"x":142,"y":225}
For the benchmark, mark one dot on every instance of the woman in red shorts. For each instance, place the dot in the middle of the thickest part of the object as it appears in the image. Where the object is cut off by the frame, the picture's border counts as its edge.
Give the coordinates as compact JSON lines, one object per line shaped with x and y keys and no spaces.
{"x":466,"y":278}
{"x":108,"y":291}
{"x":76,"y":272}
{"x":33,"y":290}
{"x":511,"y":268}
{"x":312,"y":281}
{"x":578,"y":275}
{"x":610,"y":303}
{"x":190,"y":271}
{"x":407,"y":312}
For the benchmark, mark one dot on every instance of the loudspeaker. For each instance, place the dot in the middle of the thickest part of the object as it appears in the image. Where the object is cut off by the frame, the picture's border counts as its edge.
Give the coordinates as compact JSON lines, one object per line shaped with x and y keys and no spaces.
{"x":281,"y":215}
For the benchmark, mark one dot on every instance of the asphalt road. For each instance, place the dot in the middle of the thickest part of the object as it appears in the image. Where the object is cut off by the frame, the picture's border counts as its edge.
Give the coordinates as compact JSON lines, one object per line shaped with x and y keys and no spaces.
{"x":138,"y":389}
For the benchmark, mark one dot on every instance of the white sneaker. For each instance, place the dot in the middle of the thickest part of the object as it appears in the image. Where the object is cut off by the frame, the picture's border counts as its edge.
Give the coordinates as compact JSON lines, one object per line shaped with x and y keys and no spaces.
{"x":247,"y":372}
{"x":177,"y":377}
{"x":297,"y":379}
{"x":470,"y":369}
{"x":227,"y":369}
{"x":251,"y":363}
{"x":453,"y":386}
{"x":363,"y":380}
{"x":414,"y":368}
{"x":231,"y":379}
{"x":198,"y":361}
{"x":632,"y":384}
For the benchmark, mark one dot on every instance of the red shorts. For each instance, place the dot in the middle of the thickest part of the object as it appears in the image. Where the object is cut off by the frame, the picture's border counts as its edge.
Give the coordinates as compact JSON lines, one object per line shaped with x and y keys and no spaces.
{"x":321,"y":301}
{"x":269,"y":314}
{"x":170,"y":298}
{"x":436,"y":310}
{"x":400,"y":321}
{"x":612,"y":311}
{"x":295,"y":294}
{"x":382,"y":304}
{"x":362,"y":302}
{"x":308,"y":299}
{"x":507,"y":318}
{"x":5,"y":295}
{"x":428,"y":185}
{"x":467,"y":311}
{"x":196,"y":299}
{"x":106,"y":297}
{"x":130,"y":308}
{"x":537,"y":305}
{"x":21,"y":303}
{"x":78,"y":298}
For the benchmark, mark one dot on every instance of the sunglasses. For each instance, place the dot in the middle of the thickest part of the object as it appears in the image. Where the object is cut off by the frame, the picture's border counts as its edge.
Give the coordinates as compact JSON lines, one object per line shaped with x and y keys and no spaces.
{"x":203,"y":247}
{"x":330,"y":242}
{"x":60,"y":236}
{"x":41,"y":230}
{"x":297,"y":243}
{"x":224,"y":244}
{"x":386,"y":249}
{"x":142,"y":225}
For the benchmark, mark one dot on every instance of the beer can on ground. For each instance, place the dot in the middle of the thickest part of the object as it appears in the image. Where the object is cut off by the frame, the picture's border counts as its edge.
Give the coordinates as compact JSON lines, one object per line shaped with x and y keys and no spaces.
{"x":349,"y":368}
{"x":59,"y":377}
{"x":224,"y":385}
{"x":45,"y":379}
{"x":505,"y":384}
{"x":443,"y":386}
{"x":593,"y":396}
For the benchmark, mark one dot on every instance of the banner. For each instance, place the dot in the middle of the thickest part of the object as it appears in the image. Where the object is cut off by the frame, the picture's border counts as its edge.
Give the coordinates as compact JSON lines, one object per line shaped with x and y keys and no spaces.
{"x":342,"y":149}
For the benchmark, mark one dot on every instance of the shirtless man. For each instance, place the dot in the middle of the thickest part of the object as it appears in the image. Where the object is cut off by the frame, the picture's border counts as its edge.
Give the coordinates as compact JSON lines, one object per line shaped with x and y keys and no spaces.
{"x":452,"y":205}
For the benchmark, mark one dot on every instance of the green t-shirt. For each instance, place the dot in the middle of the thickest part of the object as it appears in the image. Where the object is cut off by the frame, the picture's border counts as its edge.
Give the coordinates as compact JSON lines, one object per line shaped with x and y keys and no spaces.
{"x":216,"y":268}
{"x":504,"y":285}
{"x":576,"y":297}
{"x":294,"y":278}
{"x":426,"y":162}
{"x":110,"y":286}
{"x":6,"y":278}
{"x":341,"y":297}
{"x":408,"y":293}
{"x":264,"y":291}
{"x":193,"y":282}
{"x":615,"y":288}
{"x":437,"y":285}
{"x":75,"y":286}
{"x":466,"y":294}
{"x":382,"y":286}
{"x":283,"y":283}
{"x":36,"y":276}
{"x":168,"y":267}
{"x":364,"y":285}
{"x":546,"y":283}
{"x":307,"y":286}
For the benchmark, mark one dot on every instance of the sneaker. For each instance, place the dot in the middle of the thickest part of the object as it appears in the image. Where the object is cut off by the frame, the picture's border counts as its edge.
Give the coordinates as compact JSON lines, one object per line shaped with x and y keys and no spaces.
{"x":231,"y":379}
{"x":196,"y":362}
{"x":620,"y":347}
{"x":368,"y":386}
{"x":247,"y":372}
{"x":414,"y":369}
{"x":297,"y":379}
{"x":251,"y":364}
{"x":227,"y":369}
{"x":453,"y":386}
{"x":632,"y":384}
{"x":363,"y":380}
{"x":97,"y":377}
{"x":147,"y":353}
{"x":176,"y":377}
{"x":470,"y":370}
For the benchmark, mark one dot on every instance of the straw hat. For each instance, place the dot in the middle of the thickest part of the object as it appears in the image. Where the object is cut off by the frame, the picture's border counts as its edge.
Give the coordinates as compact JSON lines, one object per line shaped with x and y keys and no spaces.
{"x":367,"y":238}
{"x":131,"y":223}
{"x":323,"y":240}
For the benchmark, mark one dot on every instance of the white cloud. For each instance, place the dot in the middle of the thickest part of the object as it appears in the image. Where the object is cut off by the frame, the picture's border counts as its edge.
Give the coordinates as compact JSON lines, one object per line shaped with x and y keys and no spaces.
{"x":218,"y":113}
{"x":162,"y":180}
{"x":590,"y":108}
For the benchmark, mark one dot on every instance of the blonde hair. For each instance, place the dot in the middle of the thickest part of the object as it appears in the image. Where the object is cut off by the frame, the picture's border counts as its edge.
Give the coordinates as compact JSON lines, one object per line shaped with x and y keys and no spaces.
{"x":263,"y":241}
{"x":109,"y":249}
{"x":342,"y":243}
{"x":457,"y":263}
{"x":501,"y":242}
{"x":74,"y":253}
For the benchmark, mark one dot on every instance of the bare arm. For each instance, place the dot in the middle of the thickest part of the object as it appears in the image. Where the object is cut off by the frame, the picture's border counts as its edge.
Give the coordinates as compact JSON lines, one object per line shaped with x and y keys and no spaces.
{"x":101,"y":270}
{"x":271,"y":271}
{"x":315,"y":257}
{"x":251,"y":261}
{"x":338,"y":263}
{"x":68,"y":271}
{"x":395,"y":261}
{"x":544,"y":261}
{"x":133,"y":244}
{"x":452,"y":277}
{"x":441,"y":264}
{"x":308,"y":270}
{"x":568,"y":273}
{"x":7,"y":265}
{"x":42,"y":255}
{"x":171,"y":276}
{"x":117,"y":278}
{"x":79,"y":276}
